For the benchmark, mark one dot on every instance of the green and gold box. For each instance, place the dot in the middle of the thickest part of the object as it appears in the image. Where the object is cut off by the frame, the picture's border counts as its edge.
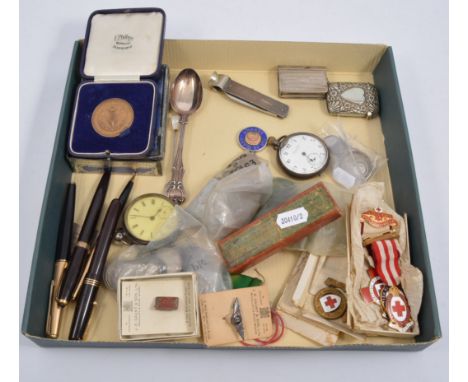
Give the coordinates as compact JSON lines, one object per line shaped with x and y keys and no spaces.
{"x":210,"y":141}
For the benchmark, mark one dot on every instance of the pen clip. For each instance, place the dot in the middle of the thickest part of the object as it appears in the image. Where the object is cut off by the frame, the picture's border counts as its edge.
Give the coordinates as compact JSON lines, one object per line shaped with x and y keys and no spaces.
{"x":92,"y":248}
{"x":60,"y":271}
{"x":77,"y":289}
{"x":49,"y":310}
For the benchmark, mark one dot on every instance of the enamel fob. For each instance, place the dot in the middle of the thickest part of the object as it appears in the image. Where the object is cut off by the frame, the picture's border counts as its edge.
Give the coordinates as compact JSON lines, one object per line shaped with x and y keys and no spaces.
{"x":301,"y":155}
{"x":252,"y":138}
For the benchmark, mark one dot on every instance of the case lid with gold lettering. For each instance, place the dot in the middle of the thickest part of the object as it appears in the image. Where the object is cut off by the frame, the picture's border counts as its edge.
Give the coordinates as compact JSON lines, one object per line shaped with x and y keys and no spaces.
{"x":123,"y":44}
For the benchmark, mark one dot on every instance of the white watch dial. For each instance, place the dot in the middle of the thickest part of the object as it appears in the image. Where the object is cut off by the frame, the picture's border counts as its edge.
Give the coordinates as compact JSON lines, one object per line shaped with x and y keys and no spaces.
{"x":303,"y":154}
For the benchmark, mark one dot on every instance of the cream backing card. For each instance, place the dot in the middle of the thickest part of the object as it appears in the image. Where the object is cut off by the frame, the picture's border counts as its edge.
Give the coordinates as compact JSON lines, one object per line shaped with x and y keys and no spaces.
{"x":139,"y":319}
{"x":216,"y":310}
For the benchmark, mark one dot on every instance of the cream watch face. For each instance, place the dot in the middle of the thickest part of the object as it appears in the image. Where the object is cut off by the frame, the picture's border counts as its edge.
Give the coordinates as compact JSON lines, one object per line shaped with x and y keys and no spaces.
{"x":147,"y":218}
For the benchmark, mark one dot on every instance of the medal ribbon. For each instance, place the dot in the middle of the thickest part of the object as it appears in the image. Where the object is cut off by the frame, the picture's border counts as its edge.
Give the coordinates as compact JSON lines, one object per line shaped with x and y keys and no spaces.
{"x":386,"y":256}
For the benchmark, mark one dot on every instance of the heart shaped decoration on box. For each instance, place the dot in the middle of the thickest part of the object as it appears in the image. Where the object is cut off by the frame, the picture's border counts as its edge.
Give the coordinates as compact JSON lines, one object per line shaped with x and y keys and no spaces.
{"x":355,"y":95}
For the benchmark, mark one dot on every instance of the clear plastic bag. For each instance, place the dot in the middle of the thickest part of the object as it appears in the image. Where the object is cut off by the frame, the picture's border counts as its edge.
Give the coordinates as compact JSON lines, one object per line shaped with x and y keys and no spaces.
{"x":188,"y":249}
{"x":231,"y":199}
{"x":329,"y":240}
{"x":351,"y":163}
{"x":283,"y":189}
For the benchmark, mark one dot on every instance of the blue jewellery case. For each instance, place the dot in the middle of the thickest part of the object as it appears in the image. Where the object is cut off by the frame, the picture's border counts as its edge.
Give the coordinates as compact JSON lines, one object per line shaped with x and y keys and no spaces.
{"x":120,"y":105}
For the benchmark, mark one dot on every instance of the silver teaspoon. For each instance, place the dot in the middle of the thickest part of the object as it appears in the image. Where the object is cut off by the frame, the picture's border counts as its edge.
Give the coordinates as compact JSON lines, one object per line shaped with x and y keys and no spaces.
{"x":186,"y":97}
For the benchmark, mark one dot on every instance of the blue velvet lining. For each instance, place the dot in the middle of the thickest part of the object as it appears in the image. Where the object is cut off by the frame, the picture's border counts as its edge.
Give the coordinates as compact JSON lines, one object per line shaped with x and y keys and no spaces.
{"x":138,"y":139}
{"x":158,"y":113}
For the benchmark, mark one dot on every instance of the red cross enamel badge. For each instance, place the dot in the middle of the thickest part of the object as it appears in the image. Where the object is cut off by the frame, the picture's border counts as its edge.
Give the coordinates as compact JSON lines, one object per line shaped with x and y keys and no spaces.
{"x":330,"y":303}
{"x":371,"y":293}
{"x":398,"y":310}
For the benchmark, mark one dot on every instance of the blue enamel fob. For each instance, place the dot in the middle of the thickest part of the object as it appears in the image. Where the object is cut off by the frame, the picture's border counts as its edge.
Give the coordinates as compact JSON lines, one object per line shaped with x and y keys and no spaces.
{"x":253,"y":139}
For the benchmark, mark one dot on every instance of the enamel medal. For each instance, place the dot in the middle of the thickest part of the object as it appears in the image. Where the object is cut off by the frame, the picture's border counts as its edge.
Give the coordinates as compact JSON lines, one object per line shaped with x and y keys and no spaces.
{"x":372,"y":292}
{"x":397,"y":309}
{"x":378,"y":218}
{"x":330,"y":303}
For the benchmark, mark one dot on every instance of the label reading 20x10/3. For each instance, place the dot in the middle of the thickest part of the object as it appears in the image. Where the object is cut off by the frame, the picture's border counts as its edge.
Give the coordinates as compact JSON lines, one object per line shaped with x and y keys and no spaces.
{"x":292,"y":217}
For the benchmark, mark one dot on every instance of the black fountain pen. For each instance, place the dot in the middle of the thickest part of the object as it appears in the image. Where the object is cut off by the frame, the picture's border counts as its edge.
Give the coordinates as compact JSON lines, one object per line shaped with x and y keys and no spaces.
{"x":65,"y":238}
{"x":81,"y":249}
{"x":93,"y":278}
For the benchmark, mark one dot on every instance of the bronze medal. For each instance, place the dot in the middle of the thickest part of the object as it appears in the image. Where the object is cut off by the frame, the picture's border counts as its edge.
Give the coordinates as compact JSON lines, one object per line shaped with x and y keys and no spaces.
{"x":112,"y":117}
{"x":330,"y":303}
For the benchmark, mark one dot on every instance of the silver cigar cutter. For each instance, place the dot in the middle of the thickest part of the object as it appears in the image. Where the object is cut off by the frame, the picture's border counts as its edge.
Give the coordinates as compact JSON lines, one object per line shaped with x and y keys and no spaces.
{"x":247,"y":96}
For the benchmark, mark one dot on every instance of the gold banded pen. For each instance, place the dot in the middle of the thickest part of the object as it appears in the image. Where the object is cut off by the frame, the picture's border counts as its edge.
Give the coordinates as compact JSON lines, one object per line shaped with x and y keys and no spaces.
{"x":64,"y":241}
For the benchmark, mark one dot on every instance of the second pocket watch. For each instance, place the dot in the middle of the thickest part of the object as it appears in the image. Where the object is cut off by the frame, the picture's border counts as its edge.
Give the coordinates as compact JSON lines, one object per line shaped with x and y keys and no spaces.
{"x":148,"y":218}
{"x":301,"y":155}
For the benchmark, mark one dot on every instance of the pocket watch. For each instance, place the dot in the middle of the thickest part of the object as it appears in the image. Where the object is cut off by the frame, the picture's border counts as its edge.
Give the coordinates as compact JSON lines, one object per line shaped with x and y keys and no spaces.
{"x":148,"y":218}
{"x":301,"y":155}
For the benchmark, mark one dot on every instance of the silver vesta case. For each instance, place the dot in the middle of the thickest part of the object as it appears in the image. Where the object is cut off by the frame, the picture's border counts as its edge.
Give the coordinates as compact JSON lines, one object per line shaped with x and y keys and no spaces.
{"x":302,"y":82}
{"x":353,"y":99}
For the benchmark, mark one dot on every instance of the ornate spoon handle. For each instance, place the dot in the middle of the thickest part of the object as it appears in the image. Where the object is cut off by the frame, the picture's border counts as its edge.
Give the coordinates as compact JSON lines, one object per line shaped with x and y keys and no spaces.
{"x":175,"y":188}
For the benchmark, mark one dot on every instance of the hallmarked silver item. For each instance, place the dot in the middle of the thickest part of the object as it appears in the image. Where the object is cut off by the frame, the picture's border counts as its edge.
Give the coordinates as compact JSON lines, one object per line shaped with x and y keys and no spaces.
{"x":353,"y":99}
{"x":247,"y":96}
{"x":186,"y":98}
{"x":302,"y":82}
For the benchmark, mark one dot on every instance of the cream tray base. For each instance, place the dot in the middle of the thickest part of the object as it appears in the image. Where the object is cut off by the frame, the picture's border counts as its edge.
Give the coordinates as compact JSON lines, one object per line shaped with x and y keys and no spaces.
{"x":211,"y":143}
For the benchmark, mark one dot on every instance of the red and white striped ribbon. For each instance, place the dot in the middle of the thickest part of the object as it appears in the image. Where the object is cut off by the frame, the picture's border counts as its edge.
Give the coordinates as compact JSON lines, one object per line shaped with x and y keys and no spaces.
{"x":386,"y":256}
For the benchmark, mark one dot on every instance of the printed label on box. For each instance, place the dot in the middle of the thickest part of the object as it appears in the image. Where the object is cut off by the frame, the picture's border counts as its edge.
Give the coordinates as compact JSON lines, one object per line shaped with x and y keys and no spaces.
{"x":292,"y":218}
